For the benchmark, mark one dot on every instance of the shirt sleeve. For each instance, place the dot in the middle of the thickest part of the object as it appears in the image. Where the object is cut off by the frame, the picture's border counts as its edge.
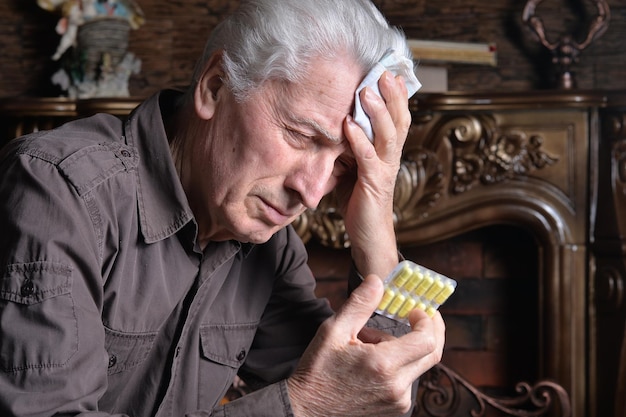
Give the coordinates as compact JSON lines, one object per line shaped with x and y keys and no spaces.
{"x":52,"y":356}
{"x":270,"y":401}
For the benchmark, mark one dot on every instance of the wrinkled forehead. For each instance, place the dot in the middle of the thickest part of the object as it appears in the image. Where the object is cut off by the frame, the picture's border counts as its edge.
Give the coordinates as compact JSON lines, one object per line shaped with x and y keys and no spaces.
{"x":325,"y":95}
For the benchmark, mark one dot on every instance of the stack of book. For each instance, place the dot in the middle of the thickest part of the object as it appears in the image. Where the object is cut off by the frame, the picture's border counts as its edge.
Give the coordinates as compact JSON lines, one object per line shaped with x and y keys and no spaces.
{"x":433,"y":57}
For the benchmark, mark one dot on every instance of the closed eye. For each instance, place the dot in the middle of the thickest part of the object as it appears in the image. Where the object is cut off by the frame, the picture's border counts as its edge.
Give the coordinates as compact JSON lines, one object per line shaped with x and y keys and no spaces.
{"x":312,"y":130}
{"x":299,"y":139}
{"x":344,"y":165}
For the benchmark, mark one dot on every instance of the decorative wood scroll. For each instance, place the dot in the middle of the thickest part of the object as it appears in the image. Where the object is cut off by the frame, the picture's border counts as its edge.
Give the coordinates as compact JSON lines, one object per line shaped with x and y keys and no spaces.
{"x":459,"y":153}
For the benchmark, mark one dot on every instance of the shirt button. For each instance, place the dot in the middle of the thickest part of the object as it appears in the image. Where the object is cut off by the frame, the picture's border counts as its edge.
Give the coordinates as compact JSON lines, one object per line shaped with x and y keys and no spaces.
{"x":125,"y":153}
{"x":112,"y":361}
{"x":241,"y":355}
{"x":28,"y":288}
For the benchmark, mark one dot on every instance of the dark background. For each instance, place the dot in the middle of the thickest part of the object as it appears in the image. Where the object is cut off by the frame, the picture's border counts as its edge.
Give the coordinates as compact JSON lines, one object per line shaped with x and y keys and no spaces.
{"x":175,"y":30}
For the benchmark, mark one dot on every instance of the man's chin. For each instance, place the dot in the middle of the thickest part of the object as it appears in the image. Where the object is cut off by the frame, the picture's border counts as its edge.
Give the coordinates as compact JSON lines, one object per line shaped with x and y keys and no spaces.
{"x":259,"y":236}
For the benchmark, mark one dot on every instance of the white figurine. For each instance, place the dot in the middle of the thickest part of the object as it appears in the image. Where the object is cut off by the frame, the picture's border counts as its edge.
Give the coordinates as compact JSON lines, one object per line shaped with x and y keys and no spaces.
{"x":67,"y":27}
{"x":111,"y":78}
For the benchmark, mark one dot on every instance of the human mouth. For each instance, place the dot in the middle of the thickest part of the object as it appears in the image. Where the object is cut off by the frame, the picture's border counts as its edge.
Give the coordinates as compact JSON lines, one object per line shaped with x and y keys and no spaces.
{"x":275,"y":215}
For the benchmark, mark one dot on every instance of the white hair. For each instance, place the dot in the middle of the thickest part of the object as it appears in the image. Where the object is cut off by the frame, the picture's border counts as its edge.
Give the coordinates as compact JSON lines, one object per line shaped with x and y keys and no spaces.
{"x":278,"y":39}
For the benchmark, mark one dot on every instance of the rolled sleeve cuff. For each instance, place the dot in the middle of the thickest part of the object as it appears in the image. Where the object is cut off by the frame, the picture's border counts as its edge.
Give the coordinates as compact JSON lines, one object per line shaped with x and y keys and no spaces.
{"x":271,"y":401}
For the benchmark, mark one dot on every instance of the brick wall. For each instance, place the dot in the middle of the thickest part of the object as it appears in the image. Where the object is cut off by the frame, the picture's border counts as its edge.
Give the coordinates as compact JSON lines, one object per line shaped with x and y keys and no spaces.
{"x":174,"y":33}
{"x":492,"y":318}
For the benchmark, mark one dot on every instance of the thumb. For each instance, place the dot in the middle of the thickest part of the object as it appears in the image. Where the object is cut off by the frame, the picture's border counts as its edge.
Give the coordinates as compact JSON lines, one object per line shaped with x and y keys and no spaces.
{"x":358,"y":308}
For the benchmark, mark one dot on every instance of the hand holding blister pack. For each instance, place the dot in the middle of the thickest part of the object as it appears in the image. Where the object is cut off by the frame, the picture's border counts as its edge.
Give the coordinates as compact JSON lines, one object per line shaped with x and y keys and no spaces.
{"x":395,"y":63}
{"x":410,"y":286}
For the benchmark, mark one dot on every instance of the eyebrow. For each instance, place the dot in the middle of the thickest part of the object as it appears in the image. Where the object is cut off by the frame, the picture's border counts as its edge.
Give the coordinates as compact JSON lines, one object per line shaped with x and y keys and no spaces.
{"x":317,"y":128}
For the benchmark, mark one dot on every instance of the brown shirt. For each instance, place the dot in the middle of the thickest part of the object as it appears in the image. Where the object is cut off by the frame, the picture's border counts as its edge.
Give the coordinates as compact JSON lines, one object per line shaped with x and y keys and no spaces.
{"x":106,"y":303}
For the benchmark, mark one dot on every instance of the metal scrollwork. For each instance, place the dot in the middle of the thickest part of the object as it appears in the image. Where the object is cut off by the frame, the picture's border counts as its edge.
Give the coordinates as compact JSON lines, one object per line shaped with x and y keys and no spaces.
{"x":442,"y":391}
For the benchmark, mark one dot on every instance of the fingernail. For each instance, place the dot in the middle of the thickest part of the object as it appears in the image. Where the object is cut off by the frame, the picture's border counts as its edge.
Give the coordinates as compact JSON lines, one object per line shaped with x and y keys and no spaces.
{"x":370,"y":94}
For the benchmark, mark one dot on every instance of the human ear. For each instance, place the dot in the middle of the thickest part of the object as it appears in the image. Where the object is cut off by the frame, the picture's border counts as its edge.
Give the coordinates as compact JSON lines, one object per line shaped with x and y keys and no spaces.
{"x":209,"y":83}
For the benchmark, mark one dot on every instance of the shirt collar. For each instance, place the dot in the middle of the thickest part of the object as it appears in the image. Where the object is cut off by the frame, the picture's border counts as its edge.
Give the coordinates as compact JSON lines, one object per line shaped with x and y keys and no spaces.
{"x":163,"y":206}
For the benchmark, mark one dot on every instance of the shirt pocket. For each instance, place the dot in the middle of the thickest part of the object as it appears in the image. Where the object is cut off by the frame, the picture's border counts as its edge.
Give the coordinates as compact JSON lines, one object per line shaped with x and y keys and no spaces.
{"x":224,"y":348}
{"x":37,"y":316}
{"x":227,"y":344}
{"x":127,"y":350}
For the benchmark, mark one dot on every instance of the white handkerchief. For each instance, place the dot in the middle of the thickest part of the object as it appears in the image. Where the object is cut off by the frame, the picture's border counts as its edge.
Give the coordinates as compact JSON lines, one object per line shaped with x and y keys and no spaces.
{"x":397,"y":64}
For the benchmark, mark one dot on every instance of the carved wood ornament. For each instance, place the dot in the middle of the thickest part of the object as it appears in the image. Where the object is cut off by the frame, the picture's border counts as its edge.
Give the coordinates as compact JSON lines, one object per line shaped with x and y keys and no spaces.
{"x":458,"y":154}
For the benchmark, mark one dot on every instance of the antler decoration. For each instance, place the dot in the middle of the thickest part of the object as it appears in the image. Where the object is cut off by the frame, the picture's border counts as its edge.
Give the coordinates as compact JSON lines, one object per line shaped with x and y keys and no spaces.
{"x":566,"y":50}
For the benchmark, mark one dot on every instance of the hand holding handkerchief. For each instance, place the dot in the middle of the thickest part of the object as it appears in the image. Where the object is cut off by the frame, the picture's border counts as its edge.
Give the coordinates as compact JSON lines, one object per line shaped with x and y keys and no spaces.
{"x":397,"y":64}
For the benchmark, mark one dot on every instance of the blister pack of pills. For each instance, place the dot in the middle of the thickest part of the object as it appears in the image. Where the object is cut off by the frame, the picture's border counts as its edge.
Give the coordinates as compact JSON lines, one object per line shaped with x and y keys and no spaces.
{"x":411,"y":286}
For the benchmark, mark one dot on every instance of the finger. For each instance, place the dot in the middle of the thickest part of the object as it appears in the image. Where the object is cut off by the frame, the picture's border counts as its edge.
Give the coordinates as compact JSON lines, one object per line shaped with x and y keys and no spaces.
{"x":390,"y":130}
{"x":382,"y":123}
{"x":368,"y":156}
{"x":411,"y":355}
{"x":363,"y":151}
{"x":421,"y":348}
{"x":354,"y":313}
{"x":395,"y":94}
{"x":359,"y":143}
{"x":435,"y":351}
{"x":393,"y":90}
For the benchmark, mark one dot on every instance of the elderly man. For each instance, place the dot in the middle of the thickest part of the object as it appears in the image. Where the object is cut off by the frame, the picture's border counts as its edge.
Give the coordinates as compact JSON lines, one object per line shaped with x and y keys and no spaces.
{"x":147,"y":262}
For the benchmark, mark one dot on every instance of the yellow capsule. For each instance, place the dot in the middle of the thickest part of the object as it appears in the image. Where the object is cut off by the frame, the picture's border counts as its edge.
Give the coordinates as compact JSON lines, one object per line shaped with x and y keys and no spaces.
{"x":396,"y":304}
{"x":402,"y":276}
{"x":434,"y":289}
{"x":408,"y":305}
{"x":387,"y":297}
{"x":430,"y":310}
{"x":421,"y":306}
{"x":415,"y":280}
{"x":424,"y":285}
{"x":446,"y":292}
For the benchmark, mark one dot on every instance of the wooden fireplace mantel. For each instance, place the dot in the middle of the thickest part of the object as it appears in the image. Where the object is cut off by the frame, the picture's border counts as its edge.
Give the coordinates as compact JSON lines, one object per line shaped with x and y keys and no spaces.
{"x":551,"y":162}
{"x":554,"y":163}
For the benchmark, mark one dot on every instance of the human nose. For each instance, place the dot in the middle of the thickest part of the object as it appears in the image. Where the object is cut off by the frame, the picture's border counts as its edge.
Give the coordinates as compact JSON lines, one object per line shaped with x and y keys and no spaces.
{"x":313,"y":179}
